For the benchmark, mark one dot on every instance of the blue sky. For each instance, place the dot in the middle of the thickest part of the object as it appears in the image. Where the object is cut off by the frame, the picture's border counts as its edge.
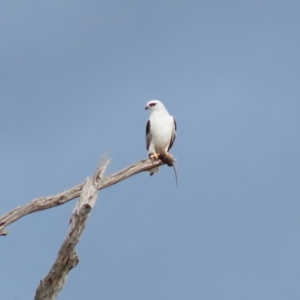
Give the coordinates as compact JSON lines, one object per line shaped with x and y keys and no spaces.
{"x":75,"y":78}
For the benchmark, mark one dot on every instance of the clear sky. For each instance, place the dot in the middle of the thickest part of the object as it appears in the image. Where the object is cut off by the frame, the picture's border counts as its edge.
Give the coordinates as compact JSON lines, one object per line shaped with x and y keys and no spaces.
{"x":75,"y":78}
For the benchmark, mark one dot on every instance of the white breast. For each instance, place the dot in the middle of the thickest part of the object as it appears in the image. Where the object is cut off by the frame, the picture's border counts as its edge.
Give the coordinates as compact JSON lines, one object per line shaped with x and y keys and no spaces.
{"x":161,"y":131}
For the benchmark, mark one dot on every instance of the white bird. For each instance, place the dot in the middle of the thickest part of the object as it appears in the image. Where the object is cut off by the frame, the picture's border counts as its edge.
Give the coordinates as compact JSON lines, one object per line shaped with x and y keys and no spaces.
{"x":160,"y":131}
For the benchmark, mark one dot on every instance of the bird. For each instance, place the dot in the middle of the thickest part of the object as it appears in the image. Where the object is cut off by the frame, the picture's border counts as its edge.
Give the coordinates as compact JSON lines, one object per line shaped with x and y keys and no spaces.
{"x":161,"y":131}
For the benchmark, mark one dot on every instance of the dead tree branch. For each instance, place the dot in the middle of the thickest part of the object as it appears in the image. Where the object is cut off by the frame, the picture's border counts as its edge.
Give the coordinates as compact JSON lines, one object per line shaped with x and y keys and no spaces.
{"x":66,"y":196}
{"x":67,"y":258}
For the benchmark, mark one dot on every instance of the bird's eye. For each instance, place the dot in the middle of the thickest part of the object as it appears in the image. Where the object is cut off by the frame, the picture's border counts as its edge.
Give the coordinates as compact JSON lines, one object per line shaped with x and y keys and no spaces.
{"x":152,"y":104}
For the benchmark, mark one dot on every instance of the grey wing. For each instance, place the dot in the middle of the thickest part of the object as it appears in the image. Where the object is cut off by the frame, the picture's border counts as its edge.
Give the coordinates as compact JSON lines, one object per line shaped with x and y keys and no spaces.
{"x":148,"y":135}
{"x":173,"y":137}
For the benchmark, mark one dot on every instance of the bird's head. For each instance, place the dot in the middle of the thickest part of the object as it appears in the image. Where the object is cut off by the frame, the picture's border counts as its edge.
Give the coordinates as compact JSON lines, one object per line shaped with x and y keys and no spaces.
{"x":155,"y":105}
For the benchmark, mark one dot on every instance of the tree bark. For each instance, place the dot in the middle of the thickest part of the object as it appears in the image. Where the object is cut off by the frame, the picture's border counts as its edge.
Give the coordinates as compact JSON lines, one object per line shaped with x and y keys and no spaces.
{"x":67,"y":258}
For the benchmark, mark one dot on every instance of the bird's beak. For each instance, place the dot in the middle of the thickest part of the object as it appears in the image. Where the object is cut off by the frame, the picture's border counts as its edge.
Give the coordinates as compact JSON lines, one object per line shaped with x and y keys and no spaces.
{"x":146,"y":107}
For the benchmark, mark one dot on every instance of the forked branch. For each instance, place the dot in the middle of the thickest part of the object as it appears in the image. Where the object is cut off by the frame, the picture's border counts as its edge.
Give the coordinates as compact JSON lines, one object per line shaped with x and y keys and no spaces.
{"x":66,"y":196}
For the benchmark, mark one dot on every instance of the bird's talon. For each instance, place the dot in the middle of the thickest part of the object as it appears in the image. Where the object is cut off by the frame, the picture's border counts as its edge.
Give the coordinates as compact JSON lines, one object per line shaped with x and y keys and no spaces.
{"x":154,"y":156}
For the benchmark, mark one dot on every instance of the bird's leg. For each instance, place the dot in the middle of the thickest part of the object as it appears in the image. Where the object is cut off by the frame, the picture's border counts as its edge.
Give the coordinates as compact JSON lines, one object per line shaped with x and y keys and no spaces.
{"x":154,"y":155}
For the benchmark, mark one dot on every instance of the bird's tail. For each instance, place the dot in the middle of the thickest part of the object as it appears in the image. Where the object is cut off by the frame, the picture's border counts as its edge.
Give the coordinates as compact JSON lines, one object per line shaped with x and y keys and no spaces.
{"x":153,"y":170}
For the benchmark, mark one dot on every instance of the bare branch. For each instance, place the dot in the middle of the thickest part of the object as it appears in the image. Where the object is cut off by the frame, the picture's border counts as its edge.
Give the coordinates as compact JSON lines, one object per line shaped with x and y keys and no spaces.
{"x":66,"y":196}
{"x":67,"y":258}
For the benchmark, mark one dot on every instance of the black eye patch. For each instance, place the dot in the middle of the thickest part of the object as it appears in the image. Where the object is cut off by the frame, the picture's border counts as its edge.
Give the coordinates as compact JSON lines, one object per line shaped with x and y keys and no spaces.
{"x":152,"y":104}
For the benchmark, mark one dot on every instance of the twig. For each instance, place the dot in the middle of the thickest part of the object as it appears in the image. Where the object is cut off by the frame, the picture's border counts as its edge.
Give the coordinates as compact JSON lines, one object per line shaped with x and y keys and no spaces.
{"x":64,"y":197}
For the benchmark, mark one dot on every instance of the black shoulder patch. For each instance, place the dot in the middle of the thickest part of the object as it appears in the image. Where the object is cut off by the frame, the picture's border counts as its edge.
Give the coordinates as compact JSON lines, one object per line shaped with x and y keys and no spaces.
{"x":148,"y":135}
{"x":147,"y":127}
{"x":173,"y":137}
